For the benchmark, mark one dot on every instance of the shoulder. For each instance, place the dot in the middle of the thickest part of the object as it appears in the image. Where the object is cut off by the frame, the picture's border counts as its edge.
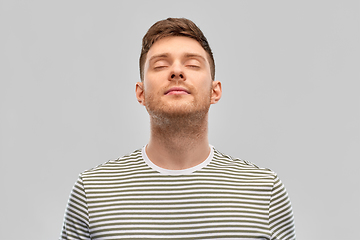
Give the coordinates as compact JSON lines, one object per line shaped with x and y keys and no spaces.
{"x":121,"y":164}
{"x":224,"y":161}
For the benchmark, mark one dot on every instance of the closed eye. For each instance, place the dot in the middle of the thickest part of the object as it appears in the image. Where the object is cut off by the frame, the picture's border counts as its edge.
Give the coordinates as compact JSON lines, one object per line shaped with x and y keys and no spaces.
{"x":160,"y":64}
{"x":193,"y":66}
{"x":193,"y":63}
{"x":159,"y":67}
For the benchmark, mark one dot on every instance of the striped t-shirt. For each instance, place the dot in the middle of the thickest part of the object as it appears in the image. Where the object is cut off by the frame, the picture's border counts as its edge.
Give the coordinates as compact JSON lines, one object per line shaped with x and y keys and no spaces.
{"x":221,"y":198}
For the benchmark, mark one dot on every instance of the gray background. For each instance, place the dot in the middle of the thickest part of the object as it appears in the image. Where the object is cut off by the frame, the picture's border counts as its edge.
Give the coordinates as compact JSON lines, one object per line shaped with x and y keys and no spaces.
{"x":290,"y":74}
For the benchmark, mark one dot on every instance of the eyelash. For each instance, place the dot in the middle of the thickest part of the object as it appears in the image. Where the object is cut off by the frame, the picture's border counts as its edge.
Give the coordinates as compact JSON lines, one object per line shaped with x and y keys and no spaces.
{"x":160,"y":67}
{"x":193,"y":66}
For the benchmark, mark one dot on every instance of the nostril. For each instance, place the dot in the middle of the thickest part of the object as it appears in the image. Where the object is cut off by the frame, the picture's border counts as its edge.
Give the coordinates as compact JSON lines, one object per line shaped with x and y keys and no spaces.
{"x":180,"y":76}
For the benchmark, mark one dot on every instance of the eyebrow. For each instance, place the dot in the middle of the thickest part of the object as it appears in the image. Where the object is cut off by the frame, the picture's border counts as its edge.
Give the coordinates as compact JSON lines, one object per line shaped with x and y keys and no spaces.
{"x":161,"y":55}
{"x":194,"y":55}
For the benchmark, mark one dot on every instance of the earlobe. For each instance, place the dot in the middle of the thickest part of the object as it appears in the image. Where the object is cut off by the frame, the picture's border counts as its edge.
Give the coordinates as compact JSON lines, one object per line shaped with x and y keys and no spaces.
{"x":216,"y":92}
{"x":139,"y":91}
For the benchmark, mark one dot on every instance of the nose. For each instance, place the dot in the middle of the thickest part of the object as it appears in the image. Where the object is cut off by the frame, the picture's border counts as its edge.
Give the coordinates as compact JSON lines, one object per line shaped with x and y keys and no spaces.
{"x":177,"y":73}
{"x":173,"y":76}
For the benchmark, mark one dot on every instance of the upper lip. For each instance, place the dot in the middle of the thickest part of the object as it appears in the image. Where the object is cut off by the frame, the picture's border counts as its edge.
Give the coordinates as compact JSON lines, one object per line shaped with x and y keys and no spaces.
{"x":177,"y":89}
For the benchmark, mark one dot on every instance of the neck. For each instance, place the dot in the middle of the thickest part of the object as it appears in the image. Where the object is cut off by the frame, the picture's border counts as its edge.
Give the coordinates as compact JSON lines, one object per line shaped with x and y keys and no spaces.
{"x":178,"y":143}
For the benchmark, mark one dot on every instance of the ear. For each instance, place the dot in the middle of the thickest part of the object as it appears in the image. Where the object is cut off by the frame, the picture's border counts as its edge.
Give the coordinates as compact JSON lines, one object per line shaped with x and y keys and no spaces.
{"x":216,"y":92}
{"x":139,"y":91}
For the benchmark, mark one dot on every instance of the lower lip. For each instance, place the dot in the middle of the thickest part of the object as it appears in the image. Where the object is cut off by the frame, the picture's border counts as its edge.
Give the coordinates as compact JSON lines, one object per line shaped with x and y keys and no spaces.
{"x":177,"y":93}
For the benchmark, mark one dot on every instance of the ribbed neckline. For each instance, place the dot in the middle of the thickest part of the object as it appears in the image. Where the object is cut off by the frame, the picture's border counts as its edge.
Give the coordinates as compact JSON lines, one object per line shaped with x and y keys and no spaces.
{"x":177,"y":172}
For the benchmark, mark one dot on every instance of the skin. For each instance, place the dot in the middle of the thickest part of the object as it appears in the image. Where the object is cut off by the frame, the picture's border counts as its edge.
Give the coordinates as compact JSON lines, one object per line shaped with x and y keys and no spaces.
{"x":177,"y":92}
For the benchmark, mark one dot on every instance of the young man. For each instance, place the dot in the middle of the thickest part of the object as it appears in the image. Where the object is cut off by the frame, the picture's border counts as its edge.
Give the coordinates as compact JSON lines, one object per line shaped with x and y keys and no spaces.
{"x":178,"y":186}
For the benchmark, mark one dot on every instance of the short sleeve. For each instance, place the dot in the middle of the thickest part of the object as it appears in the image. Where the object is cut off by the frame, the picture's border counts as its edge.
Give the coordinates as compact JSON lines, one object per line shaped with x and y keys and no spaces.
{"x":281,"y":216}
{"x":76,"y":219}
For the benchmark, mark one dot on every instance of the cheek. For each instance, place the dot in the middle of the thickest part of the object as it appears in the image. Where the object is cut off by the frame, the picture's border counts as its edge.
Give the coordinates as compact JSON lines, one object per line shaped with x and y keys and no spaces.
{"x":154,"y":81}
{"x":149,"y":84}
{"x":152,"y":89}
{"x":206,"y":85}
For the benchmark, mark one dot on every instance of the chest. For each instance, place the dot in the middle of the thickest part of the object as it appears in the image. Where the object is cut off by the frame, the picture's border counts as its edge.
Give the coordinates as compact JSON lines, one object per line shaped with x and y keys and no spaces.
{"x":163,"y":207}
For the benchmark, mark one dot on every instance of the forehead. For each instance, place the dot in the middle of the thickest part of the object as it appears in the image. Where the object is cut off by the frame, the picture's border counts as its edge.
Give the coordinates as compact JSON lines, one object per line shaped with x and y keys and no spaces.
{"x":176,"y":46}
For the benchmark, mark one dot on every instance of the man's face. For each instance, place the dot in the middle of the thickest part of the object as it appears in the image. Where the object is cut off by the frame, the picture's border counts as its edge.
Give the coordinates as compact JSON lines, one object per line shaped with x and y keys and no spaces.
{"x":177,"y":79}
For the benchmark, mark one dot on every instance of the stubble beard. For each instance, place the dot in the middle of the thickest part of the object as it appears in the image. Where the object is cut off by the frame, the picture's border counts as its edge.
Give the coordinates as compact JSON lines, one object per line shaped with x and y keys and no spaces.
{"x":186,"y":119}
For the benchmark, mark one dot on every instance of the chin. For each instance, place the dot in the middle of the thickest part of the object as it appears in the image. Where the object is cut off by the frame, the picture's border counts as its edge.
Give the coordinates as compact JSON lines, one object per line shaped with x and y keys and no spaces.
{"x":178,"y":112}
{"x":178,"y":108}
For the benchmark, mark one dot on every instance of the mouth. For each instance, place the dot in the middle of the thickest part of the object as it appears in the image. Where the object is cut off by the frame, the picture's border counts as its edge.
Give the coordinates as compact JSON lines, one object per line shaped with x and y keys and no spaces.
{"x":177,"y":91}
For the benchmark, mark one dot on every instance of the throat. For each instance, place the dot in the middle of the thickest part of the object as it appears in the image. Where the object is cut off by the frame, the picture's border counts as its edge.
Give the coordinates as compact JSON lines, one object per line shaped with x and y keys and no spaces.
{"x":178,"y":144}
{"x":179,"y":132}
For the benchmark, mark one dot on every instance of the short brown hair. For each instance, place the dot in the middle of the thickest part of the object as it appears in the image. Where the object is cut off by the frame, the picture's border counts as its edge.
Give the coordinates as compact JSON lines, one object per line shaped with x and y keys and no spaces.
{"x":174,"y":27}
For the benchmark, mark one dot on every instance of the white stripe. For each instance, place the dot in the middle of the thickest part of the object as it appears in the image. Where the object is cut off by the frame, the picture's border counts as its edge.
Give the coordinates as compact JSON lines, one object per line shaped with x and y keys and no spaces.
{"x":199,"y":216}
